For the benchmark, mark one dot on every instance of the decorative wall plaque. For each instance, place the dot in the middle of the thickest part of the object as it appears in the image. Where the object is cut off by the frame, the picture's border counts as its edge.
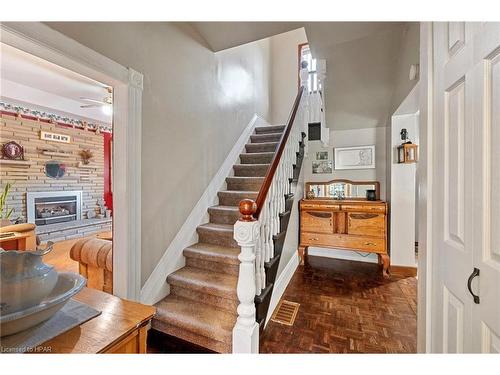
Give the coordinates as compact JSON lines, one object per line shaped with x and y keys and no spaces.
{"x":13,"y":151}
{"x":55,"y":137}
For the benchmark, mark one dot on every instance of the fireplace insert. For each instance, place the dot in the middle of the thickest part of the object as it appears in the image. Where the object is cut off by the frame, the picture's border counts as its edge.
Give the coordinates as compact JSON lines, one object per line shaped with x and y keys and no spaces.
{"x":54,"y":207}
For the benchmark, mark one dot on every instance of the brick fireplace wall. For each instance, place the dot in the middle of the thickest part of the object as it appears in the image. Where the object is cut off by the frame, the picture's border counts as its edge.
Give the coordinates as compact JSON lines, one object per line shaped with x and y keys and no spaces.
{"x":26,"y":132}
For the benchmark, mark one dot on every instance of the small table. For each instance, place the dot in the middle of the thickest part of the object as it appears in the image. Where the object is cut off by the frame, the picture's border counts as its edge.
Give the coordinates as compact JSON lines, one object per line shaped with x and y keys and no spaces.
{"x":121,"y":328}
{"x":15,"y":242}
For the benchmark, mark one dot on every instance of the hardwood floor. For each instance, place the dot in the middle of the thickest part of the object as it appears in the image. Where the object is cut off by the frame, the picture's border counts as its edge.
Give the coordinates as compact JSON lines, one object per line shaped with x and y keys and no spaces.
{"x":59,"y":256}
{"x":346,"y":307}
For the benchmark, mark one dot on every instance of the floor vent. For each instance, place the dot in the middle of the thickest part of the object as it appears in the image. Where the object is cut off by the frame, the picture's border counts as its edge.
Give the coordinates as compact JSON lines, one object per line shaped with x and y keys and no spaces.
{"x":286,"y":312}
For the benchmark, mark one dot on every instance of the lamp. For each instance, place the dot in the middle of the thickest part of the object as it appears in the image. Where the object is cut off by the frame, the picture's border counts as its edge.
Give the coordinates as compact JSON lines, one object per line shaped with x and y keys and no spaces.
{"x":407,"y":151}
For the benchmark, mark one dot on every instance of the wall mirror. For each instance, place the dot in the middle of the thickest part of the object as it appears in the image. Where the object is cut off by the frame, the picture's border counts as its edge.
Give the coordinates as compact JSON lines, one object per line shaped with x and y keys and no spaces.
{"x":343,"y":189}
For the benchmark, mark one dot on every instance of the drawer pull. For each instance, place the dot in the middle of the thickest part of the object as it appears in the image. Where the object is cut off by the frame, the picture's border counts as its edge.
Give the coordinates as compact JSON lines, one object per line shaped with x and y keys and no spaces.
{"x":370,"y":244}
{"x":323,"y":215}
{"x":314,"y":239}
{"x":363,"y":216}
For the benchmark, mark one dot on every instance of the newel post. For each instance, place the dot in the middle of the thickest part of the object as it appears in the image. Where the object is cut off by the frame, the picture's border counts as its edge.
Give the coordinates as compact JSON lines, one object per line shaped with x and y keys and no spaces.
{"x":246,"y":233}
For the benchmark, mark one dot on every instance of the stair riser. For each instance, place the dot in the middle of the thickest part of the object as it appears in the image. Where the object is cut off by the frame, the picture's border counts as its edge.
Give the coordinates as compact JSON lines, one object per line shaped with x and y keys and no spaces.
{"x":259,"y":138}
{"x":230,"y":269}
{"x":216,"y":237}
{"x":284,"y":221}
{"x":216,"y":301}
{"x":231,"y":199}
{"x":256,"y":158}
{"x":269,"y":129}
{"x":244,"y":170}
{"x":201,"y":287}
{"x":203,"y":341}
{"x":242,"y":184}
{"x":260,"y":147}
{"x":224,"y":217}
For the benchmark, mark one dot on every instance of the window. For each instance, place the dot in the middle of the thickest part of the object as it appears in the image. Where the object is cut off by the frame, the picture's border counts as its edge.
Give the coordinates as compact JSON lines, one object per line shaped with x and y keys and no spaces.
{"x":305,"y":55}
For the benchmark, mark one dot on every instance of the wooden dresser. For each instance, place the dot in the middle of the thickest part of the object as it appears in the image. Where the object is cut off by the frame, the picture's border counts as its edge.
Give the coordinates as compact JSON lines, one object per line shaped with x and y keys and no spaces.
{"x":350,"y":224}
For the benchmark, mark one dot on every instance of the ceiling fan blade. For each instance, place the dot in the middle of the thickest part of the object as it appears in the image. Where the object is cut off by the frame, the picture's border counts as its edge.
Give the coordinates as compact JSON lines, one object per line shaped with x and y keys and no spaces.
{"x":91,"y":105}
{"x":92,"y":100}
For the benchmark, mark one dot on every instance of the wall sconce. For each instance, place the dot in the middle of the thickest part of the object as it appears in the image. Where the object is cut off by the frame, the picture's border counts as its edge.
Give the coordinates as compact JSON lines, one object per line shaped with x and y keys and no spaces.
{"x":407,"y":151}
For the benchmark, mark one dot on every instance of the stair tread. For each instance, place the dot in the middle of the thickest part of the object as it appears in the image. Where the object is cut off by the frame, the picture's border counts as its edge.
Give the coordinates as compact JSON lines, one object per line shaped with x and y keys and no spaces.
{"x":196,"y":317}
{"x":269,"y":129}
{"x":262,"y":143}
{"x":249,"y":166}
{"x":264,"y":153}
{"x":224,"y":208}
{"x":243,"y":178}
{"x":239,"y":192}
{"x":216,"y":283}
{"x":213,"y":252}
{"x":218,"y":227}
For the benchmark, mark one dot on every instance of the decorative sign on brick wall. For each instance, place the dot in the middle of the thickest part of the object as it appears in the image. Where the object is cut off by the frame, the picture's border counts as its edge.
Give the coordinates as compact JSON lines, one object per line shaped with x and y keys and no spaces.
{"x":55,"y":137}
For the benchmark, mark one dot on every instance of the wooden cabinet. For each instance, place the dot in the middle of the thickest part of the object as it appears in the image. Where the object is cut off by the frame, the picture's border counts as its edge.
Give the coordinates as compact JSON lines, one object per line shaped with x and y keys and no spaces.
{"x":357,"y":225}
{"x":121,"y":328}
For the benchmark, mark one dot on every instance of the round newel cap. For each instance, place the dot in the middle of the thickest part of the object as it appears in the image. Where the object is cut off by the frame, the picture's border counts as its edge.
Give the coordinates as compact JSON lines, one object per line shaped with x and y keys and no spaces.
{"x":247,"y":208}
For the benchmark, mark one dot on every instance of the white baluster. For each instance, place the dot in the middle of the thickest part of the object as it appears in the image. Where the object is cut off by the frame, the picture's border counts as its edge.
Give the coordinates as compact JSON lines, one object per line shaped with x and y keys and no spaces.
{"x":246,"y":233}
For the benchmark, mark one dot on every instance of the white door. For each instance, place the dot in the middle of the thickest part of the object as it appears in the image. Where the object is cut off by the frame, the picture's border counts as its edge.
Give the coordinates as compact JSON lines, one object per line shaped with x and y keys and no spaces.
{"x":465,"y":171}
{"x":486,"y":314}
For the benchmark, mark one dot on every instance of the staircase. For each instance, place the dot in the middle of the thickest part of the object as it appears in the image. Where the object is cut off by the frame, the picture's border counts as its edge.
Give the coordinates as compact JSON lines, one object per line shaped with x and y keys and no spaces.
{"x":201,"y":307}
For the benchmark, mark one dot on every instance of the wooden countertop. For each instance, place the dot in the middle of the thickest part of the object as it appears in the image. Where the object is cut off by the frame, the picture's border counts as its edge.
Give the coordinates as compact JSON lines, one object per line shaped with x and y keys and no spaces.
{"x":118,"y":319}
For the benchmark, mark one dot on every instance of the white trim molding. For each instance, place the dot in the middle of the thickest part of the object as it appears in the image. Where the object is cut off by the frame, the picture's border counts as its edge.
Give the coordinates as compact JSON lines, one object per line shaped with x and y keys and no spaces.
{"x":156,"y":287}
{"x":40,"y":40}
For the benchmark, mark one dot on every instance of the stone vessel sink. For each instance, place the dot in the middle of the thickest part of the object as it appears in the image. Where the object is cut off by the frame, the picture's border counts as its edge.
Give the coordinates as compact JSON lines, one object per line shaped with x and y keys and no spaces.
{"x":24,"y":279}
{"x":68,"y":284}
{"x":30,"y":290}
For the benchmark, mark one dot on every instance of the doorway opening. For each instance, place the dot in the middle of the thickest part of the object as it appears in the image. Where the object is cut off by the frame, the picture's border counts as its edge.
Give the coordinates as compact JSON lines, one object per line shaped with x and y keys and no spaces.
{"x":123,"y":86}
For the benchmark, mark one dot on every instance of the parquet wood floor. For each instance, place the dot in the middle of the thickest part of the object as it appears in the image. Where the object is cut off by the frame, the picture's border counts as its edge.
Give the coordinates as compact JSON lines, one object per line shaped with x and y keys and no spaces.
{"x":346,"y":307}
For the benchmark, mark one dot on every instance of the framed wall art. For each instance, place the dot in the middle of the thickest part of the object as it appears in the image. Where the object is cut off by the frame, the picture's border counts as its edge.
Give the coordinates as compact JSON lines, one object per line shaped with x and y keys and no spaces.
{"x":322,"y":155}
{"x":322,"y":166}
{"x":358,"y":157}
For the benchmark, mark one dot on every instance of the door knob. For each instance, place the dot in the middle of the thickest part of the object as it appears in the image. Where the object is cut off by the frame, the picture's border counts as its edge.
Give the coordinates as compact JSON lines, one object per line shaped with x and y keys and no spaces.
{"x":474,"y":273}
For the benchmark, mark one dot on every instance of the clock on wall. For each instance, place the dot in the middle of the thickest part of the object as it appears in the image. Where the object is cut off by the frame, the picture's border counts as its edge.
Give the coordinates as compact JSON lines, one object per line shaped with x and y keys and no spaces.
{"x":13,"y":151}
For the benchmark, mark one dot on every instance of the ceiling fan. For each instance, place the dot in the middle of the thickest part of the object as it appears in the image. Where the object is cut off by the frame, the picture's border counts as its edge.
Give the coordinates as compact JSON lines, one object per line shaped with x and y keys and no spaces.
{"x":104,"y":102}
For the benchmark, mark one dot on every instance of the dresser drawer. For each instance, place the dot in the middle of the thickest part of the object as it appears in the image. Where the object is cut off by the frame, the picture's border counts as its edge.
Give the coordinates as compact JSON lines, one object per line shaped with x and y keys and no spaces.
{"x":366,"y":224}
{"x":317,"y":221}
{"x":380,"y":208}
{"x":319,"y":207}
{"x":344,"y":241}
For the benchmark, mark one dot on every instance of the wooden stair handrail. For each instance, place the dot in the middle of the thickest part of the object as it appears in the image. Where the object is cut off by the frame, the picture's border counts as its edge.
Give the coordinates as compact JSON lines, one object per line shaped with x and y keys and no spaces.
{"x":264,"y":189}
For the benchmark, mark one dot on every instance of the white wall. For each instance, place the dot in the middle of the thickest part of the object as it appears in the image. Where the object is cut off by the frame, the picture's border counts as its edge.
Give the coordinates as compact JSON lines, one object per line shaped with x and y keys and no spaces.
{"x":409,"y":54}
{"x":346,"y":138}
{"x":284,"y":84}
{"x":403,"y":185}
{"x":196,"y":103}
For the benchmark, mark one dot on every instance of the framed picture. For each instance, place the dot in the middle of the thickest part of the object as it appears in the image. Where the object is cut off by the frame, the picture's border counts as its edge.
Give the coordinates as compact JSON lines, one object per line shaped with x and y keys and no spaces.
{"x":359,"y":157}
{"x":323,"y":166}
{"x":322,"y":155}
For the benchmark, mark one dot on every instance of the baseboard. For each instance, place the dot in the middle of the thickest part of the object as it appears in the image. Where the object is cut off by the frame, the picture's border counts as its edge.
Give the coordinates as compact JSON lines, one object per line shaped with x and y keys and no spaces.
{"x":342,"y":254}
{"x":156,"y":287}
{"x":404,"y":271}
{"x":281,"y":284}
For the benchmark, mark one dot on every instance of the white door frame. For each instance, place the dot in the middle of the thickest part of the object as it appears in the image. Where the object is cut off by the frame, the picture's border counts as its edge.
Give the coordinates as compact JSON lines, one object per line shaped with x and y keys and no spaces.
{"x":424,"y":173}
{"x":42,"y":41}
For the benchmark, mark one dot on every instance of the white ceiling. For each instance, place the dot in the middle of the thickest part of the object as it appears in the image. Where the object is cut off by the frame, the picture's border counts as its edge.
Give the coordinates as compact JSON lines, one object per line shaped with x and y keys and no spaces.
{"x":28,"y":79}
